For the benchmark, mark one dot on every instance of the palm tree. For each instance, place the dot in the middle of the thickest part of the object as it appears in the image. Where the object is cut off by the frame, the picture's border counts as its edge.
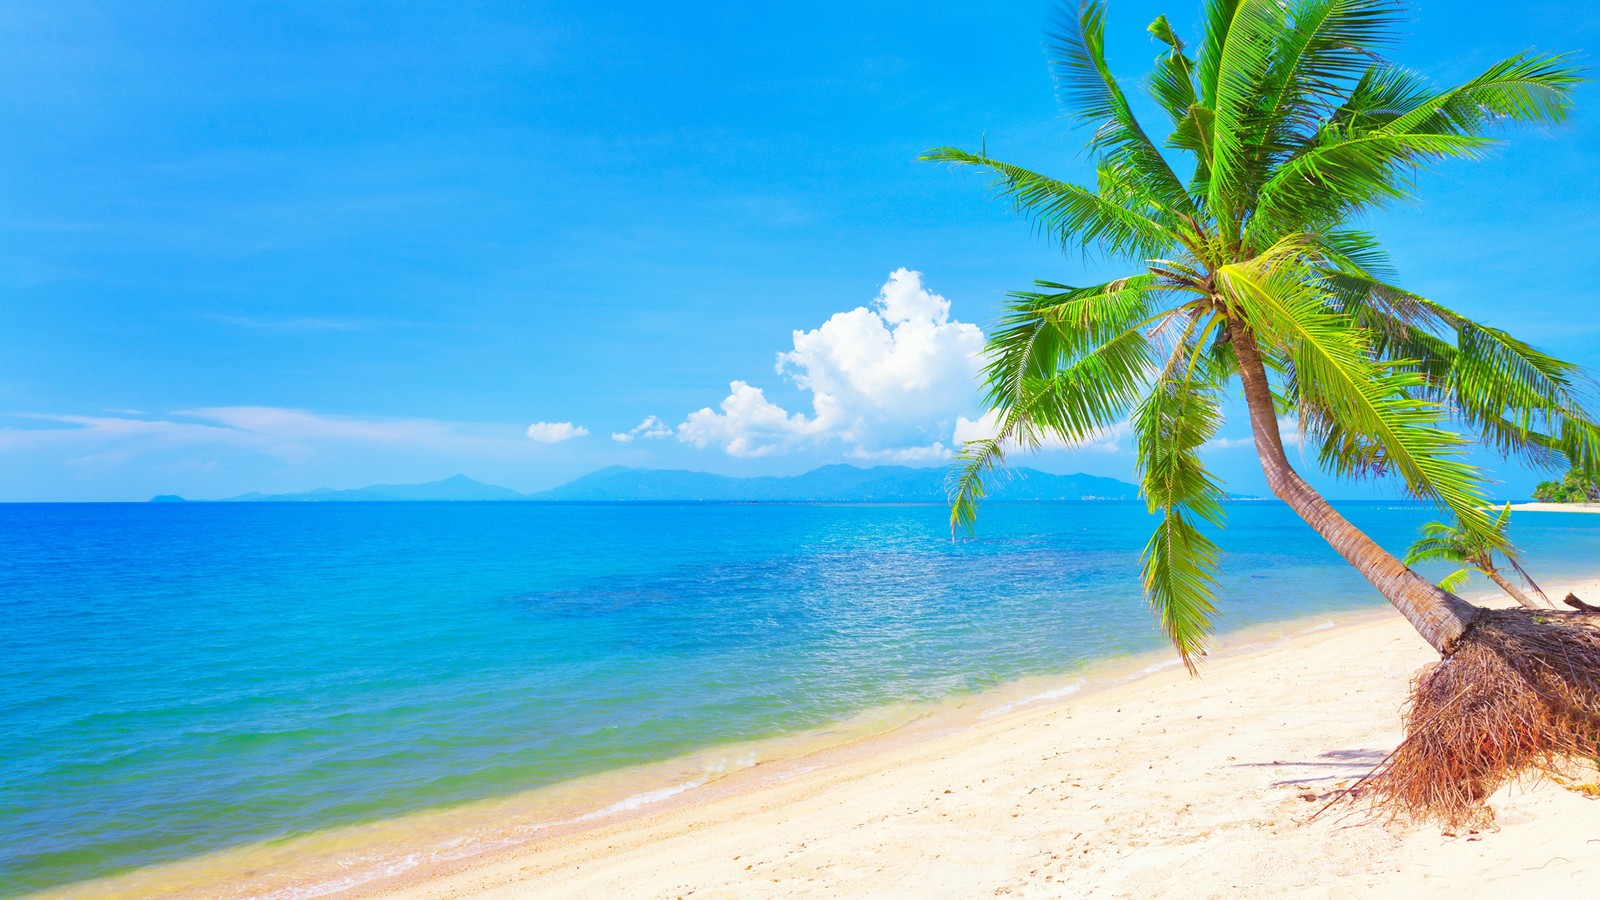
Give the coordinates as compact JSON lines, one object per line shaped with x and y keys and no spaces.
{"x":1444,"y":542}
{"x":1286,"y":123}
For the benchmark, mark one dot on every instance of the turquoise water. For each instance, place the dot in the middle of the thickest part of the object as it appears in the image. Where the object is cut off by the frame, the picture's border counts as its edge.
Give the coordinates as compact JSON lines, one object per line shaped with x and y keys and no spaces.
{"x":179,"y":678}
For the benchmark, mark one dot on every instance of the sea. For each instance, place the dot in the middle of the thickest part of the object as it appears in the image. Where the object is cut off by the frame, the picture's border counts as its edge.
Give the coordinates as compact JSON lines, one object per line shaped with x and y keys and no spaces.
{"x":180,"y":679}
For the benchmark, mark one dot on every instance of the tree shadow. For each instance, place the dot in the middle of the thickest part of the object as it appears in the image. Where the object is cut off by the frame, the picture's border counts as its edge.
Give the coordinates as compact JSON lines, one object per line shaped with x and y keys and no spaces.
{"x":1335,"y":765}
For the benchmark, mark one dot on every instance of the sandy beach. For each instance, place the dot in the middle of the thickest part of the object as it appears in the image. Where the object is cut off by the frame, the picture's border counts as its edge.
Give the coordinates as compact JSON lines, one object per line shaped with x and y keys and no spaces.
{"x":1556,"y":507}
{"x":1163,"y":786}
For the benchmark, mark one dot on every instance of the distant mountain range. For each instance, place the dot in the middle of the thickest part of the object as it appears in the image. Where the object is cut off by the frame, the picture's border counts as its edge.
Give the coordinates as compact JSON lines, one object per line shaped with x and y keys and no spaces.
{"x":457,"y":487}
{"x":836,"y":484}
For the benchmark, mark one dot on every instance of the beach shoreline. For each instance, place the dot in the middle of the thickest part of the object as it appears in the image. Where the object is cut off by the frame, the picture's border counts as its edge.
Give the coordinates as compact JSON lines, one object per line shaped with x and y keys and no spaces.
{"x":1146,"y":798}
{"x":1556,"y":507}
{"x":443,"y":839}
{"x":565,"y":841}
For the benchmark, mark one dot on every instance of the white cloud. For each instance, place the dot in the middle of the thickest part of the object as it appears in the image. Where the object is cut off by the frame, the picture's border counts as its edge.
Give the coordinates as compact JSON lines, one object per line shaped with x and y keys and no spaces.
{"x":1289,"y":431}
{"x":981,"y":429}
{"x":652,"y":427}
{"x":889,"y":381}
{"x":555,"y":432}
{"x":748,"y":425}
{"x":932,"y":453}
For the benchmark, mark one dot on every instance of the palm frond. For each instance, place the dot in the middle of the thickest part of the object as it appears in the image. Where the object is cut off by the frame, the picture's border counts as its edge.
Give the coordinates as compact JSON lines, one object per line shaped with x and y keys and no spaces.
{"x":1344,"y":172}
{"x":1092,"y":96}
{"x":1216,"y":26}
{"x":1367,"y":149}
{"x":968,"y":484}
{"x":1528,"y":88}
{"x":1369,"y":398}
{"x":1071,"y":215}
{"x":1318,"y":59}
{"x":1456,"y":580}
{"x":1180,"y":564}
{"x":1245,"y":52}
{"x":1068,"y":364}
{"x":1077,"y":403}
{"x":1521,"y":400}
{"x":1456,"y":543}
{"x":1171,"y":82}
{"x":1384,"y":93}
{"x":1040,"y":331}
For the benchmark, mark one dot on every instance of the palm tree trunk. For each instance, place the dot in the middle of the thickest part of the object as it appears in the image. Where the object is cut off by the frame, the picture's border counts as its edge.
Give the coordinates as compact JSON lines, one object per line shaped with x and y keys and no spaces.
{"x":1438,"y":615}
{"x":1510,"y":588}
{"x":1531,"y":583}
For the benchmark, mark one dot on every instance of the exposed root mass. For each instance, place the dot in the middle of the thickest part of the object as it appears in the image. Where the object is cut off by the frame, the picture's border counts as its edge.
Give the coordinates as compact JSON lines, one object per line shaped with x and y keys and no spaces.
{"x":1519,"y":696}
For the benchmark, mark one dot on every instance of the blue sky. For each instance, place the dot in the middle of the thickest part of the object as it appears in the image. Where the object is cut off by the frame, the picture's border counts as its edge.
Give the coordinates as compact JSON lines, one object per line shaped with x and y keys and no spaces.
{"x":266,"y":246}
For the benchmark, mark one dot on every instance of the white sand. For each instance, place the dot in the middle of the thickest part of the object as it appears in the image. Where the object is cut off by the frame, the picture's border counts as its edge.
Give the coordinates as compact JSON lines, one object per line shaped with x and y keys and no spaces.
{"x":1163,"y":787}
{"x":1556,"y":507}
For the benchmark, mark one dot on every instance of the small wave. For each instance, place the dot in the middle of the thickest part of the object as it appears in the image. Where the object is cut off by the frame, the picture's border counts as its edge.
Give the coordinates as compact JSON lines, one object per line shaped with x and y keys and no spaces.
{"x":638,"y":800}
{"x":364,"y":869}
{"x":1053,"y":694}
{"x":361,"y":875}
{"x":1159,"y":667}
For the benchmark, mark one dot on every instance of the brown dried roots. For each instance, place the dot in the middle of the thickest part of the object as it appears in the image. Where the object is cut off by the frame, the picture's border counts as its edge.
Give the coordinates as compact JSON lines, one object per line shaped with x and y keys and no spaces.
{"x":1520,"y":695}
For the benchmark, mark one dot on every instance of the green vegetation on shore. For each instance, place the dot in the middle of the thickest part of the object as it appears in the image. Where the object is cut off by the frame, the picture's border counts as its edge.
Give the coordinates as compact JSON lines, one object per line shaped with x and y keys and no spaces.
{"x":1574,"y":487}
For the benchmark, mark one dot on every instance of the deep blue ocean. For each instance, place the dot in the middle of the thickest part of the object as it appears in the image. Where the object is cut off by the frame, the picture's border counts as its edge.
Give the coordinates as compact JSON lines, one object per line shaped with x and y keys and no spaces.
{"x":179,"y":678}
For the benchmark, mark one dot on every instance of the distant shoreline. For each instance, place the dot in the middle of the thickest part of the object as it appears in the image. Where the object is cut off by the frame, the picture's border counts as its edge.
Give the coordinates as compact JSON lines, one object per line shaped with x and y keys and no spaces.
{"x":1556,"y":507}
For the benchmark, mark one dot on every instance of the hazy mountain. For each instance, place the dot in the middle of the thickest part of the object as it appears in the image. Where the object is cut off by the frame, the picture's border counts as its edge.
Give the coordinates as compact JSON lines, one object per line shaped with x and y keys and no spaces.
{"x":458,"y":487}
{"x":837,"y":483}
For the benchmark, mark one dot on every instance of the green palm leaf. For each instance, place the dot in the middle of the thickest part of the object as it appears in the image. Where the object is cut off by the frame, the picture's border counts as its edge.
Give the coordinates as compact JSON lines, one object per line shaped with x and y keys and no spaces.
{"x":1092,"y":96}
{"x":1068,"y":365}
{"x":1171,"y":83}
{"x":1368,"y":398}
{"x":1070,"y":214}
{"x":1180,"y":564}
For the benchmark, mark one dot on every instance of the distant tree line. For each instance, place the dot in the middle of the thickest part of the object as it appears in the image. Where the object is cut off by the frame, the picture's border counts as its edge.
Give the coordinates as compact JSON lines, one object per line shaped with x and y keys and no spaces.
{"x":1572,"y":488}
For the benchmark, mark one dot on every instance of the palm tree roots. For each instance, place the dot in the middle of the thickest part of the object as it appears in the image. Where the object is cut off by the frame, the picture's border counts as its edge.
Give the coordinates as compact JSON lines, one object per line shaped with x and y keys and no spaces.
{"x":1519,"y":696}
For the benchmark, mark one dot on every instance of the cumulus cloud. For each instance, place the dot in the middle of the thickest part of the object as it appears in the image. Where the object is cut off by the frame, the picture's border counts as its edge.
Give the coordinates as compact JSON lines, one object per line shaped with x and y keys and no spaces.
{"x":652,"y":427}
{"x":887,"y":381}
{"x":555,"y":432}
{"x":748,"y":424}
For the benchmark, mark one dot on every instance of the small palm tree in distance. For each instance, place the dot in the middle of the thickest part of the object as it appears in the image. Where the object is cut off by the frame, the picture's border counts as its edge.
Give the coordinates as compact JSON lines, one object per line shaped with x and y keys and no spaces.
{"x":1451,"y":543}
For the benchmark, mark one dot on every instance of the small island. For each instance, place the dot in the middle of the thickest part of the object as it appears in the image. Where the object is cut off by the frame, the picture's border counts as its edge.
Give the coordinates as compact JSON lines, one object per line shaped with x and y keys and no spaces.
{"x":1574,"y":493}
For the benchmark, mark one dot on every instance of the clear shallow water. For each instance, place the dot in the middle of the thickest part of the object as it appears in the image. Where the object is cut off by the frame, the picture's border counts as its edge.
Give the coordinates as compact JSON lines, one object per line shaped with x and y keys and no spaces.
{"x":179,"y":678}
